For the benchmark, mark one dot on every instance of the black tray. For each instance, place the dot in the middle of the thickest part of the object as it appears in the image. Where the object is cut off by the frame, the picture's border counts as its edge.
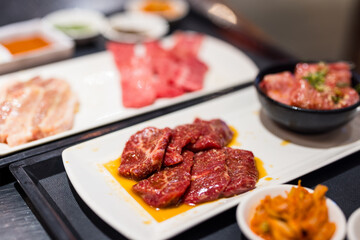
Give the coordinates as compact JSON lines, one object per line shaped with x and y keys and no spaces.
{"x":65,"y":216}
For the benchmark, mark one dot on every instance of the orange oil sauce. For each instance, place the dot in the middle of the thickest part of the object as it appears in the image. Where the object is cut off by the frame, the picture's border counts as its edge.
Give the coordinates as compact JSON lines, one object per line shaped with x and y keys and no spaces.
{"x":258,"y":162}
{"x":260,"y":166}
{"x":284,"y":143}
{"x":158,"y":214}
{"x":156,"y":6}
{"x":234,"y":141}
{"x":22,"y":45}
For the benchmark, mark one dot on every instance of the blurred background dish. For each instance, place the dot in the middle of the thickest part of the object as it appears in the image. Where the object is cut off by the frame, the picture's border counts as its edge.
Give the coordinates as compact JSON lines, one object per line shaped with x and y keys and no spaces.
{"x":171,"y":10}
{"x":30,"y":43}
{"x":353,"y":230}
{"x":133,"y":27}
{"x":247,"y":207}
{"x":82,"y":25}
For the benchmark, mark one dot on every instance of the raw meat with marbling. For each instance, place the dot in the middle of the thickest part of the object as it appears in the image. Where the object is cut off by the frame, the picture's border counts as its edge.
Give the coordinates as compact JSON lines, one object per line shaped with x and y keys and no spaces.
{"x":144,"y":152}
{"x":165,"y":188}
{"x":242,"y":171}
{"x":209,"y":177}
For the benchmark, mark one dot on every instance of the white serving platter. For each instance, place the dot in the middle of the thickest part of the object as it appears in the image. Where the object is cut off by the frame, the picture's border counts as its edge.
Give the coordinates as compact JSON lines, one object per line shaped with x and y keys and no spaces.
{"x":95,"y":79}
{"x":285,"y":155}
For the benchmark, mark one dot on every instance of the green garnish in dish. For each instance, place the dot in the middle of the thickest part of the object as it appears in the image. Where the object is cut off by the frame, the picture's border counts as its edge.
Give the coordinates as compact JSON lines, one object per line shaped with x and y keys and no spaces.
{"x":317,"y":79}
{"x":74,"y":28}
{"x":342,"y":84}
{"x":335,"y":99}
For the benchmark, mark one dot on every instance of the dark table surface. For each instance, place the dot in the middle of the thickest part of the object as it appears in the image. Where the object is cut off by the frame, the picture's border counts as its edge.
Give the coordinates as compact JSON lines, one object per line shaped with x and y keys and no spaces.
{"x":19,"y":221}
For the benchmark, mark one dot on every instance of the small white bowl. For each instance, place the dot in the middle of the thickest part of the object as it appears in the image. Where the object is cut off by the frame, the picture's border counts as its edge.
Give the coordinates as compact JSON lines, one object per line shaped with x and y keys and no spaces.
{"x":247,"y":207}
{"x":178,"y":8}
{"x":133,"y":27}
{"x":353,"y":227}
{"x":79,"y":24}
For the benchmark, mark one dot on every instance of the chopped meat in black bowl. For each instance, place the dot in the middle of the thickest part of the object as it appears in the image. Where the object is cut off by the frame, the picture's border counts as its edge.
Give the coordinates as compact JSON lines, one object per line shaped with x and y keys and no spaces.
{"x":322,"y":109}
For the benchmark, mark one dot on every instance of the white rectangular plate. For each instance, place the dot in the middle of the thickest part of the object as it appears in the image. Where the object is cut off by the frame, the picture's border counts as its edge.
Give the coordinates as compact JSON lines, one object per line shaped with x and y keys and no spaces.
{"x":285,"y":155}
{"x":95,"y":79}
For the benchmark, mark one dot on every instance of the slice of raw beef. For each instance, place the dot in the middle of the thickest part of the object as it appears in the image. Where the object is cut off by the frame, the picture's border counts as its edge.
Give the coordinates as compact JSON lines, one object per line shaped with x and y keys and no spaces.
{"x":214,"y":134}
{"x":144,"y":152}
{"x":209,"y":177}
{"x":181,"y":136}
{"x":165,"y":69}
{"x":136,"y":76}
{"x":165,"y":188}
{"x":186,"y":44}
{"x":242,"y":171}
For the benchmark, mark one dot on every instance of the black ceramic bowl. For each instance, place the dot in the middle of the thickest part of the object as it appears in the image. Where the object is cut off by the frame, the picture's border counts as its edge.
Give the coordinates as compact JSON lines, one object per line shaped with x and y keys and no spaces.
{"x":300,"y":119}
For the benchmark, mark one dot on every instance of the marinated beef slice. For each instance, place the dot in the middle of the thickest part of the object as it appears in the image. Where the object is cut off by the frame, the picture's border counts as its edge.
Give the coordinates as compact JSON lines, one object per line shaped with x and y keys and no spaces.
{"x":144,"y":152}
{"x":165,"y":188}
{"x":209,"y":177}
{"x":219,"y":173}
{"x":214,"y":134}
{"x":35,"y":109}
{"x":242,"y":171}
{"x":181,"y":136}
{"x":200,"y":135}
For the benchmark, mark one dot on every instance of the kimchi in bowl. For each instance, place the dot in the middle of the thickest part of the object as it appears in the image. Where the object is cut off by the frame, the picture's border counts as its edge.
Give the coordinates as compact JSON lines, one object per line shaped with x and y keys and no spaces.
{"x":248,"y":206}
{"x":301,"y":119}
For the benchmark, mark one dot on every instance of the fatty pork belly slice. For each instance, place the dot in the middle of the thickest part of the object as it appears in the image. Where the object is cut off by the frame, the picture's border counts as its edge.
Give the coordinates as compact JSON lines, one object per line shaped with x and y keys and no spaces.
{"x":144,"y":152}
{"x":56,"y":113}
{"x":209,"y":177}
{"x":165,"y":188}
{"x":242,"y":171}
{"x":181,"y":136}
{"x":213,"y":134}
{"x":19,"y":127}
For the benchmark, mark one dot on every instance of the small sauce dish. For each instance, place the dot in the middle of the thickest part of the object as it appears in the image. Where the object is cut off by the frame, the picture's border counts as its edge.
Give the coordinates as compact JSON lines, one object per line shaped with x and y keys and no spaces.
{"x":82,"y":25}
{"x":171,"y":10}
{"x":134,"y":27}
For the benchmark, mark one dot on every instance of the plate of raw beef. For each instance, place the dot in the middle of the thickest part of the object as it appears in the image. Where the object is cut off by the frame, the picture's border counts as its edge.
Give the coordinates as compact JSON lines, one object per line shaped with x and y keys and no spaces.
{"x":283,"y":154}
{"x":98,"y":81}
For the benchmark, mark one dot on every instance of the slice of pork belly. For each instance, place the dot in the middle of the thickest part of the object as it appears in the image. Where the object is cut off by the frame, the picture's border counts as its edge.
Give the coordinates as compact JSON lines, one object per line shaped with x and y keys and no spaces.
{"x":144,"y":152}
{"x":181,"y":136}
{"x":242,"y":171}
{"x":57,"y":110}
{"x":19,"y":127}
{"x":209,"y":177}
{"x":165,"y":188}
{"x":214,"y":134}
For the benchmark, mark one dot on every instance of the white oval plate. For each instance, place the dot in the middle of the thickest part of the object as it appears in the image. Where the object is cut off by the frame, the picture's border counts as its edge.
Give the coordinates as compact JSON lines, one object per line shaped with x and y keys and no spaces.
{"x":148,"y":27}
